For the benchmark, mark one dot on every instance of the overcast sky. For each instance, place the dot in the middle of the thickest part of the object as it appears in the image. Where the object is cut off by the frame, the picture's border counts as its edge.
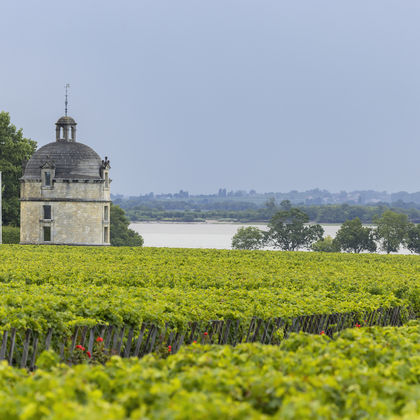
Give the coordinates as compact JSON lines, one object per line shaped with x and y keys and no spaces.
{"x":269,"y":95}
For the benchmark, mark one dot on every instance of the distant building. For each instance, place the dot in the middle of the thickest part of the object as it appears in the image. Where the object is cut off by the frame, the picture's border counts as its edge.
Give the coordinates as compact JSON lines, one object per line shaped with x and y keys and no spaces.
{"x":65,"y":193}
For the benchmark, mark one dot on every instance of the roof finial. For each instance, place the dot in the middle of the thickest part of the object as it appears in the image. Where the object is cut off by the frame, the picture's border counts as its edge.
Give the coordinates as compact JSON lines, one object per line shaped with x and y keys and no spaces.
{"x":66,"y":102}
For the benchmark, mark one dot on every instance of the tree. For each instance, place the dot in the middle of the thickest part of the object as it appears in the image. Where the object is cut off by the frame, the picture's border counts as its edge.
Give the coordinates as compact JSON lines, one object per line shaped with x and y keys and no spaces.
{"x":413,"y":238}
{"x":248,"y":238}
{"x":14,"y":149}
{"x":326,"y":244}
{"x":287,"y":230}
{"x":286,"y":205}
{"x":391,"y":230}
{"x":353,"y":237}
{"x":121,"y":235}
{"x":270,"y":208}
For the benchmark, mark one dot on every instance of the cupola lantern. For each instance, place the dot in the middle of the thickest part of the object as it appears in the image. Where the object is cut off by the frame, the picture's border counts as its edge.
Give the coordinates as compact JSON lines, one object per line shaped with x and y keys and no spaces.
{"x":65,"y":129}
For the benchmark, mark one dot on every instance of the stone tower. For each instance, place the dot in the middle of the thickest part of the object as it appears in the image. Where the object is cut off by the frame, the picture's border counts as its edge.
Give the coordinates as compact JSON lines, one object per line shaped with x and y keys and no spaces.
{"x":65,"y":193}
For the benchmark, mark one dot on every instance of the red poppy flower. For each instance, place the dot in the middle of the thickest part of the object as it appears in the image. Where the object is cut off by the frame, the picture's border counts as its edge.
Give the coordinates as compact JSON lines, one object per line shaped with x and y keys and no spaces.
{"x":89,"y":355}
{"x":169,"y":349}
{"x":206,"y":333}
{"x":194,"y":342}
{"x":322,"y":333}
{"x":80,"y":347}
{"x":357,"y":325}
{"x":99,"y":340}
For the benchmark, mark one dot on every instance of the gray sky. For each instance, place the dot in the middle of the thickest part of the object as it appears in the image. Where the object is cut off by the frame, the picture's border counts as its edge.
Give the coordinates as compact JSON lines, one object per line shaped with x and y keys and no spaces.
{"x":269,"y":95}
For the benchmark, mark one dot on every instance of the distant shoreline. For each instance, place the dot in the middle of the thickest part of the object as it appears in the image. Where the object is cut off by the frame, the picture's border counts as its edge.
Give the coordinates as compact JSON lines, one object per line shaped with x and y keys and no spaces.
{"x":219,"y":222}
{"x":204,"y":222}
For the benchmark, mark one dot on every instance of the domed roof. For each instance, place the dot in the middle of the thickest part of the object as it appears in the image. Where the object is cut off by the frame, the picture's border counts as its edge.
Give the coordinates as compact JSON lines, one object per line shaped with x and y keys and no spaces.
{"x":71,"y":160}
{"x":66,"y":120}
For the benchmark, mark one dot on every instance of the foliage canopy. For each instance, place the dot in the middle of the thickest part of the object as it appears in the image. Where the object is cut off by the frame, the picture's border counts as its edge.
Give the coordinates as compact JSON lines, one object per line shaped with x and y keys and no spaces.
{"x":391,"y":230}
{"x":14,"y":149}
{"x":43,"y":286}
{"x":11,"y":235}
{"x":326,"y":244}
{"x":248,"y":238}
{"x":288,"y":230}
{"x":353,"y":237}
{"x":121,"y":234}
{"x":367,"y":373}
{"x":413,"y":238}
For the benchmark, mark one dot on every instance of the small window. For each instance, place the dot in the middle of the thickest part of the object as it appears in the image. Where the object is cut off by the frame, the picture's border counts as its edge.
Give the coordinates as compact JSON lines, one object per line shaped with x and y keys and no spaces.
{"x":47,"y":179}
{"x":47,"y":212}
{"x":106,"y":213}
{"x":47,"y":233}
{"x":106,"y":230}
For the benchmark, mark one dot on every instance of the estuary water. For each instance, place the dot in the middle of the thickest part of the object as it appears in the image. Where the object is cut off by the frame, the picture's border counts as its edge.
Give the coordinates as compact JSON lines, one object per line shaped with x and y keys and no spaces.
{"x":197,"y":235}
{"x":215,"y":235}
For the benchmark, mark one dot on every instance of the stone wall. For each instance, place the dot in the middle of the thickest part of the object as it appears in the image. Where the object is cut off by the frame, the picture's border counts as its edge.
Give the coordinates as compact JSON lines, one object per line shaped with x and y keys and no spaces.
{"x":30,"y":215}
{"x":77,"y":213}
{"x":70,"y":190}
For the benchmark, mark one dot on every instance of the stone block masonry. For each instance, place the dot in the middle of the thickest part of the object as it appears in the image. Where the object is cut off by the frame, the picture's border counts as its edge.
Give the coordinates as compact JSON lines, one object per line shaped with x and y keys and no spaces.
{"x":65,"y":193}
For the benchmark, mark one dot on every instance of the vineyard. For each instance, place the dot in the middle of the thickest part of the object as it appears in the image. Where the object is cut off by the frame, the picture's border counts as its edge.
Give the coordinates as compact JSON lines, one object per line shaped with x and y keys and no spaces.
{"x":363,"y":373}
{"x":63,"y":287}
{"x":170,"y":313}
{"x":21,"y":348}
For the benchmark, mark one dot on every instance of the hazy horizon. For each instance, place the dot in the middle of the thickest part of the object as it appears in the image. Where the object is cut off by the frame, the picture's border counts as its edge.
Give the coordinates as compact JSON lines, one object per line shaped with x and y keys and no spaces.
{"x":248,"y":191}
{"x":236,"y":94}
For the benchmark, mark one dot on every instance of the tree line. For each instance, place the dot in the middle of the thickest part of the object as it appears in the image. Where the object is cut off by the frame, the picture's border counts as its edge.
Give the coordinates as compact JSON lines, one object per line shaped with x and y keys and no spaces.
{"x":289,"y":230}
{"x":246,"y":212}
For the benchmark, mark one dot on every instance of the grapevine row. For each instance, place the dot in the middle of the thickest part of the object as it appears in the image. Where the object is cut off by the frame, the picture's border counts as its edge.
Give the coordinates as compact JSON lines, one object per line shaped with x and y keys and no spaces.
{"x":21,"y":348}
{"x":61,"y":287}
{"x":367,"y":373}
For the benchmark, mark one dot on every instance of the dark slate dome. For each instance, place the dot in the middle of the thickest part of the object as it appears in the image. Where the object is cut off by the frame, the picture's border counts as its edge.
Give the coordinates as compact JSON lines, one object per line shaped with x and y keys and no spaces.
{"x":71,"y":160}
{"x":66,"y":120}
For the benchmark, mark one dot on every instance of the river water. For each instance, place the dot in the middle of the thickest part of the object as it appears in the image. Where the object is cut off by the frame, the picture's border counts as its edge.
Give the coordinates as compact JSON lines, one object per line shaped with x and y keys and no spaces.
{"x":200,"y":235}
{"x":188,"y":235}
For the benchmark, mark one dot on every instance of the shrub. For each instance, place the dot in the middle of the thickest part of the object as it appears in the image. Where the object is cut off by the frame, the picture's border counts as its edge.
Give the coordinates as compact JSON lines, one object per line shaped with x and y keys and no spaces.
{"x":326,"y":244}
{"x":121,"y":234}
{"x":248,"y":238}
{"x":11,"y":235}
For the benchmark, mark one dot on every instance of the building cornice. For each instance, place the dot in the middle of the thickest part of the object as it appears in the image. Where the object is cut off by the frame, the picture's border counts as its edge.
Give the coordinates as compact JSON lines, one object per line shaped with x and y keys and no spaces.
{"x":66,"y":180}
{"x":63,"y":200}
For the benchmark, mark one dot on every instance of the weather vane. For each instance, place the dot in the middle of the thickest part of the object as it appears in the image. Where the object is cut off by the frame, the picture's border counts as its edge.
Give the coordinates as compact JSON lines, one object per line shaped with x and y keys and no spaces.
{"x":66,"y":102}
